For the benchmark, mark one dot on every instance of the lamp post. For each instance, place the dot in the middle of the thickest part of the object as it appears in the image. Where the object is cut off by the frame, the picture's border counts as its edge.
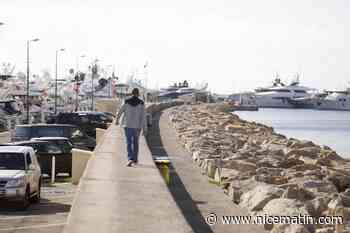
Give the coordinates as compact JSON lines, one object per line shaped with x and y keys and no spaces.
{"x":110,"y":80}
{"x":27,"y":97}
{"x":77,"y":83}
{"x":57,"y":51}
{"x":77,"y":60}
{"x":93,"y":73}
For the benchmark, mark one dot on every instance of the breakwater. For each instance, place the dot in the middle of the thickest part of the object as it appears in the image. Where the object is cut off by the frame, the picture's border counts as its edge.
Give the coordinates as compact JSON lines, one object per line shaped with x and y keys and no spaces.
{"x":263,"y":171}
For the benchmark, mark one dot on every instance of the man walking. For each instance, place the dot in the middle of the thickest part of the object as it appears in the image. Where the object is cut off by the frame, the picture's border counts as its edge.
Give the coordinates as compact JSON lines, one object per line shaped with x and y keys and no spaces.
{"x":133,"y":120}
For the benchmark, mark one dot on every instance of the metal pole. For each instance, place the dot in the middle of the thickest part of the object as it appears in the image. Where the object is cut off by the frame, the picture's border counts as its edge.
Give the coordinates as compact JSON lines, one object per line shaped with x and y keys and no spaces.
{"x":92,"y":92}
{"x":76,"y":83}
{"x":77,"y":65}
{"x":56,"y":83}
{"x":76,"y":92}
{"x":27,"y":97}
{"x":53,"y":169}
{"x":109,"y":87}
{"x":92,"y":86}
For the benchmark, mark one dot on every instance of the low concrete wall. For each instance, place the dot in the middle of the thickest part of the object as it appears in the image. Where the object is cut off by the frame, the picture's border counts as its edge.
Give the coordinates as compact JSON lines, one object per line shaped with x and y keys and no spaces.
{"x":5,"y":137}
{"x":99,"y":134}
{"x":80,"y":159}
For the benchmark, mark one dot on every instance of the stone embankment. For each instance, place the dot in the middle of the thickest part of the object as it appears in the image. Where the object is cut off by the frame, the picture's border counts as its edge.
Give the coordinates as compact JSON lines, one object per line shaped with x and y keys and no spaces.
{"x":263,"y":171}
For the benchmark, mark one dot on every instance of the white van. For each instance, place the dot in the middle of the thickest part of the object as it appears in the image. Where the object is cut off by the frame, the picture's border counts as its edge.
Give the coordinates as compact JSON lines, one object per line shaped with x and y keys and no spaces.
{"x":20,"y":175}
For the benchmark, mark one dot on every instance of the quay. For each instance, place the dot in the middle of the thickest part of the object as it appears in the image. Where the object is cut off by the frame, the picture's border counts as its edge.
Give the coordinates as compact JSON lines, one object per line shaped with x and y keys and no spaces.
{"x":114,"y":198}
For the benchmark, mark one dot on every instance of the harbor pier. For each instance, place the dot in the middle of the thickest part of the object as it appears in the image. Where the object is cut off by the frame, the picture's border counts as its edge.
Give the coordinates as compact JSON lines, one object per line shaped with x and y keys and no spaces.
{"x":114,"y":198}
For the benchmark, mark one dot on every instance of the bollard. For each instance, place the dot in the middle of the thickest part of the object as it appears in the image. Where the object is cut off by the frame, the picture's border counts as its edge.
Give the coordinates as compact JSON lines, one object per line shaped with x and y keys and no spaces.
{"x":43,"y":117}
{"x":164,"y":170}
{"x":53,"y":170}
{"x":8,"y":124}
{"x":163,"y":166}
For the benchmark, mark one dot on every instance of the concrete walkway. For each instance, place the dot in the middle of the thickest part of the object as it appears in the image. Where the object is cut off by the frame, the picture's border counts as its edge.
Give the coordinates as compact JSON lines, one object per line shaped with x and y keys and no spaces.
{"x":113,"y":198}
{"x":192,"y":192}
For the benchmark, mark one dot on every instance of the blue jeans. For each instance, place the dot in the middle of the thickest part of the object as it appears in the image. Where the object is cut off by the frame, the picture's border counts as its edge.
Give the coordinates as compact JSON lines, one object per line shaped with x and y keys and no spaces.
{"x":132,"y":140}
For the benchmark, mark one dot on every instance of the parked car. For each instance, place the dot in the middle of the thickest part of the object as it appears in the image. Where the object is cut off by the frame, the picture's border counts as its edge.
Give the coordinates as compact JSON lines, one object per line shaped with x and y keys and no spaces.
{"x":46,"y":148}
{"x":20,"y":175}
{"x":77,"y":137}
{"x":59,"y":147}
{"x":110,"y":116}
{"x":98,"y":116}
{"x":86,"y":121}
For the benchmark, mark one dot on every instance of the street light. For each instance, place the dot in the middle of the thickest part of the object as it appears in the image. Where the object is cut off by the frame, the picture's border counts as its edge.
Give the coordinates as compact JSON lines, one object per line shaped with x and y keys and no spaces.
{"x":77,"y":83}
{"x":60,"y":50}
{"x":27,"y":97}
{"x":93,"y":73}
{"x":77,"y":60}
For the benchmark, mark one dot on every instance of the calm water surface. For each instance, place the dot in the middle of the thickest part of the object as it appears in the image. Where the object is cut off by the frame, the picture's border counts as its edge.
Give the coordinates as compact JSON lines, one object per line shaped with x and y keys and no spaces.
{"x":331,"y":128}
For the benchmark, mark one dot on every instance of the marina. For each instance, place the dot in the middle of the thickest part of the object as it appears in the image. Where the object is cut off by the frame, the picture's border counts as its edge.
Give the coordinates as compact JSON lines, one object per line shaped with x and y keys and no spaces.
{"x":174,"y":116}
{"x":331,"y":128}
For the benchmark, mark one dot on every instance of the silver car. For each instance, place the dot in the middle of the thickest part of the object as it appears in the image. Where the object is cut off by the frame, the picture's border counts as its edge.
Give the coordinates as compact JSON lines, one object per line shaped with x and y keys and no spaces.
{"x":20,"y":175}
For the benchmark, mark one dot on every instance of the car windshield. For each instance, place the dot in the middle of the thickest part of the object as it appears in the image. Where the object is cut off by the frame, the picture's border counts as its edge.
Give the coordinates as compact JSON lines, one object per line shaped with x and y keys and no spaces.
{"x":50,"y":131}
{"x":56,"y":147}
{"x":15,"y":106}
{"x":12,"y":161}
{"x":51,"y":148}
{"x":65,"y":145}
{"x":22,"y":131}
{"x":102,"y":117}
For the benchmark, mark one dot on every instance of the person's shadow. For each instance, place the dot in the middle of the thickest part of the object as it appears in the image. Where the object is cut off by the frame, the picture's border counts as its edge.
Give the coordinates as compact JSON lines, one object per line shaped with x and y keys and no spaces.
{"x":183,"y":199}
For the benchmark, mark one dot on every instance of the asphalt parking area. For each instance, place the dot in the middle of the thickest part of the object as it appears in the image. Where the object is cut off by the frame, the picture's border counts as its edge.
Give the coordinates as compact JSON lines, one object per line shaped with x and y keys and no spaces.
{"x":49,"y":216}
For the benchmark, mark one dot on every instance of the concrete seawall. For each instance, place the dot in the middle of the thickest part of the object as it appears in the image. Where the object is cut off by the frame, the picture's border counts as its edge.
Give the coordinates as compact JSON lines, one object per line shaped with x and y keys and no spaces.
{"x":114,"y":198}
{"x":4,"y":137}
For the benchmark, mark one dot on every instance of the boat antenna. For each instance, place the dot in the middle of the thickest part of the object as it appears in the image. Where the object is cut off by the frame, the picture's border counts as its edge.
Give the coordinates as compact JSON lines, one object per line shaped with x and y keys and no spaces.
{"x":298,"y":76}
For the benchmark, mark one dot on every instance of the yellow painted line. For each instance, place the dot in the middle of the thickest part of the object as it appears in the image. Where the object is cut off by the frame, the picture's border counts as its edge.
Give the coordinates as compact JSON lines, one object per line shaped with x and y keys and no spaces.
{"x":32,"y":227}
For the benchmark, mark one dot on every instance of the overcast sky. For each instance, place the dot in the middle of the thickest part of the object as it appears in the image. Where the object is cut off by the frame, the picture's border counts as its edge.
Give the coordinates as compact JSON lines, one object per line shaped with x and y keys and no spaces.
{"x":231,"y":44}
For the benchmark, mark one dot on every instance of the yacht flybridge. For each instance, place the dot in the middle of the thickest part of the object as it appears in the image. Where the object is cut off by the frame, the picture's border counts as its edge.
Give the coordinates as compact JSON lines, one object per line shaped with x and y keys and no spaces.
{"x":280,"y":95}
{"x":336,"y":100}
{"x":181,"y":89}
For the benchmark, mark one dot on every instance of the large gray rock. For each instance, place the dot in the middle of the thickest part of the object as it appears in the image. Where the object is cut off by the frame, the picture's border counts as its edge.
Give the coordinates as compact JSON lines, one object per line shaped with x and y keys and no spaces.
{"x":284,"y":207}
{"x":308,"y":152}
{"x":258,"y":197}
{"x":269,"y":171}
{"x":340,"y":180}
{"x":325,"y":230}
{"x":318,"y":206}
{"x":290,"y":162}
{"x":298,"y":193}
{"x":271,"y":179}
{"x":322,"y":186}
{"x":239,"y":165}
{"x":292,"y":228}
{"x":301,"y":144}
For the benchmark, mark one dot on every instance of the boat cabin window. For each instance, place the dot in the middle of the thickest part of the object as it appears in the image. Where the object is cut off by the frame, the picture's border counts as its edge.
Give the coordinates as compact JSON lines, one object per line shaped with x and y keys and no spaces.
{"x":282,"y":90}
{"x":299,"y":91}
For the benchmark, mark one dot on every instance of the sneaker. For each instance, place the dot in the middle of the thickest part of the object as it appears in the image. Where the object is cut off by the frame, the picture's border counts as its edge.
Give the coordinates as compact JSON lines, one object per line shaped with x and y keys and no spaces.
{"x":129,"y":163}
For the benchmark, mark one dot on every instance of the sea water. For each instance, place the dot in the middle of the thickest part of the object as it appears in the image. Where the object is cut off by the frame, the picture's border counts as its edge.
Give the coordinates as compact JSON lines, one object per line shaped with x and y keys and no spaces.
{"x":331,"y":128}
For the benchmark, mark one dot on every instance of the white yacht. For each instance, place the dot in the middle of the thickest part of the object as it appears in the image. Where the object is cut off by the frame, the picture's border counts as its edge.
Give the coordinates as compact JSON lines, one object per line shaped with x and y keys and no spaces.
{"x":280,"y":95}
{"x":336,"y":100}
